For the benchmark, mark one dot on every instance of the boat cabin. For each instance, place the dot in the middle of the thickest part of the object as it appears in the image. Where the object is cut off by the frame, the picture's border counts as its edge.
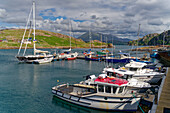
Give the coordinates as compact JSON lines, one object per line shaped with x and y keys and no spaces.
{"x":42,"y":53}
{"x":110,"y":85}
{"x":123,"y":74}
{"x":135,"y":66}
{"x":124,"y":55}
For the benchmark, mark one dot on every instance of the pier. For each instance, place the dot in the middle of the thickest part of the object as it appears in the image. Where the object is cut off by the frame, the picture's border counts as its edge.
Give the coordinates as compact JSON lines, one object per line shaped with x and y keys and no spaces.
{"x":164,"y":100}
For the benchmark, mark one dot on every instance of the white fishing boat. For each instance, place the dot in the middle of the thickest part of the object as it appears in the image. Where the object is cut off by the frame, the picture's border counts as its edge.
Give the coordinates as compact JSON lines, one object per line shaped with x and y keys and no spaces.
{"x":103,"y":93}
{"x":135,"y":70}
{"x":38,"y":55}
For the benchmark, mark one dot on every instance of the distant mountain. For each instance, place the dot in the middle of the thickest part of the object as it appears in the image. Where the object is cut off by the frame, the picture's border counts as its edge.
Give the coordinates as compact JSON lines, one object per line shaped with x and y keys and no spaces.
{"x":97,"y":36}
{"x":153,"y":39}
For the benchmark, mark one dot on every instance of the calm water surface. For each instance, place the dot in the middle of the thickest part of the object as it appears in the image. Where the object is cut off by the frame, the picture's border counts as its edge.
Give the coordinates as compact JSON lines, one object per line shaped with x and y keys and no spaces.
{"x":26,"y":88}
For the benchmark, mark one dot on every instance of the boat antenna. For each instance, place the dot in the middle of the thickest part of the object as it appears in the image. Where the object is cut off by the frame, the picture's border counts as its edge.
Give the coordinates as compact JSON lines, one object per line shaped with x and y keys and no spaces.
{"x":34,"y":24}
{"x":137,"y":41}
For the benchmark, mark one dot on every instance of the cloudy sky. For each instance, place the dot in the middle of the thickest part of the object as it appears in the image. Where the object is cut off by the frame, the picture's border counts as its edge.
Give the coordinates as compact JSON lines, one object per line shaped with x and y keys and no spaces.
{"x":118,"y":17}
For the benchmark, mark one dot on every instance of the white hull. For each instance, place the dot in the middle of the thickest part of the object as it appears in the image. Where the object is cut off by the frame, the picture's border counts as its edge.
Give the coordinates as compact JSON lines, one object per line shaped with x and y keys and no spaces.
{"x":42,"y":61}
{"x":70,"y":56}
{"x":145,"y":76}
{"x":148,"y":78}
{"x":99,"y":102}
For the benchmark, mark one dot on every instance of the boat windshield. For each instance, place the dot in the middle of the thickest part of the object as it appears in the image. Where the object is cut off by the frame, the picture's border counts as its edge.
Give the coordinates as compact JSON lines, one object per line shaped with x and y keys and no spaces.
{"x":133,"y":69}
{"x":121,"y":89}
{"x":122,"y":70}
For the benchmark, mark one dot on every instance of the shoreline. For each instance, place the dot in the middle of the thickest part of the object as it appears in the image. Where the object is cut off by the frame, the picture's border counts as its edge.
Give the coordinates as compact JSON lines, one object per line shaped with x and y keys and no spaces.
{"x":59,"y":47}
{"x":146,"y":48}
{"x":150,"y":48}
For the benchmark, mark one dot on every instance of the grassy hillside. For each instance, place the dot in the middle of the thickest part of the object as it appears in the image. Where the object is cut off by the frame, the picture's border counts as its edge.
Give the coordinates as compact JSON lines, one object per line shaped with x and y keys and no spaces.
{"x":45,"y":39}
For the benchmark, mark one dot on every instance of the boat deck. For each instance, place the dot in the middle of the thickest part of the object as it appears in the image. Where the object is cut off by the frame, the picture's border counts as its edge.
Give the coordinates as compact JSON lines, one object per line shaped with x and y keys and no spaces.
{"x":69,"y":90}
{"x":66,"y":89}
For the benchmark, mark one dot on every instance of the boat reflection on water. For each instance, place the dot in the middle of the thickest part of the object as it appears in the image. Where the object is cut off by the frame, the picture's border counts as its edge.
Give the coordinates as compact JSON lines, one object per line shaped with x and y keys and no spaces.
{"x":78,"y":109}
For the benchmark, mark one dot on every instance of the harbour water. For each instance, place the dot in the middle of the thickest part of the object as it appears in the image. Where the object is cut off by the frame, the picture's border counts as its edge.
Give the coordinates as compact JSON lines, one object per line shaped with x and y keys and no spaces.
{"x":26,"y":88}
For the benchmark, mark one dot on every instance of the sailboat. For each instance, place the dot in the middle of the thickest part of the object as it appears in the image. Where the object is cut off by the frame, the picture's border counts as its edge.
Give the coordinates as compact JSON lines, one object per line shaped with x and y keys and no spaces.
{"x":89,"y":55}
{"x":39,"y":56}
{"x":67,"y":54}
{"x":145,"y":59}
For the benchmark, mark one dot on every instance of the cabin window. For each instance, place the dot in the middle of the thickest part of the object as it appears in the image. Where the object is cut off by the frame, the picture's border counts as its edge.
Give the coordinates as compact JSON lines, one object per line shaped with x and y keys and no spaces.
{"x":133,"y":69}
{"x":130,"y":76}
{"x":101,"y":88}
{"x":125,"y":77}
{"x":120,"y":89}
{"x":114,"y":89}
{"x":108,"y":89}
{"x":110,"y":73}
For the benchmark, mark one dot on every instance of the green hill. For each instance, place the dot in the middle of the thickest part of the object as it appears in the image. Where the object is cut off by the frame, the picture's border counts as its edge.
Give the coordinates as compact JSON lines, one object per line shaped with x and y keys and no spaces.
{"x":11,"y":38}
{"x":153,"y":39}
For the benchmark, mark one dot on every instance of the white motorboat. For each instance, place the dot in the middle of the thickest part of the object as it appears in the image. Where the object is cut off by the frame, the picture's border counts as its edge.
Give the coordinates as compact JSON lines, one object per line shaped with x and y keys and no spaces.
{"x":103,"y":93}
{"x":135,"y":70}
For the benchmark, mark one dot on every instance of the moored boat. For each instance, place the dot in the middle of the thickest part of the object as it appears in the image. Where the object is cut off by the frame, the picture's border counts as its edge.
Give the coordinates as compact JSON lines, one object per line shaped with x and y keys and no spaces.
{"x":123,"y":58}
{"x":135,"y":70}
{"x":165,"y":57}
{"x":68,"y":55}
{"x":38,"y":55}
{"x":154,"y":53}
{"x":91,"y":56}
{"x":106,"y":93}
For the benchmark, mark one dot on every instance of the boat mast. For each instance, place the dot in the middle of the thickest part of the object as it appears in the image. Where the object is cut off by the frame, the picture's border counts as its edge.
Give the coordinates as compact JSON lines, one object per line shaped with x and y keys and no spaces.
{"x":90,"y":37}
{"x":163,"y":39}
{"x":101,"y":41}
{"x":137,"y":41}
{"x":70,"y":32}
{"x":34,"y":24}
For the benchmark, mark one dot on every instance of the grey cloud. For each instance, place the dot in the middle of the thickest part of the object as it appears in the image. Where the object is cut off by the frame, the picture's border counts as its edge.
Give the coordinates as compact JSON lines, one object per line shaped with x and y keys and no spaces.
{"x":120,"y":16}
{"x":93,"y":17}
{"x":3,"y":13}
{"x":155,"y":22}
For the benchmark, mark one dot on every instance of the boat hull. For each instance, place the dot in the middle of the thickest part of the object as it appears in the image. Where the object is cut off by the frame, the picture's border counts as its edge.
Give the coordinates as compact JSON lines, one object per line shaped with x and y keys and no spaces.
{"x":165,"y":57}
{"x":93,"y":58}
{"x":116,"y":60}
{"x":73,"y":58}
{"x":152,"y":79}
{"x":97,"y":102}
{"x":70,"y":56}
{"x":42,"y":61}
{"x":32,"y":59}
